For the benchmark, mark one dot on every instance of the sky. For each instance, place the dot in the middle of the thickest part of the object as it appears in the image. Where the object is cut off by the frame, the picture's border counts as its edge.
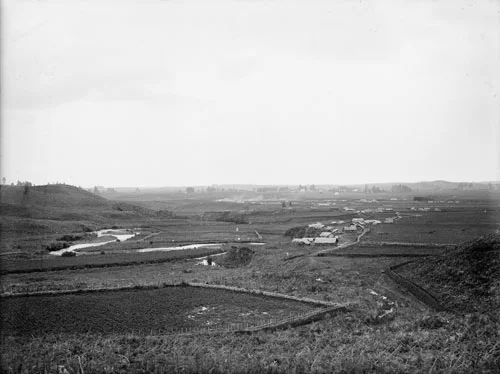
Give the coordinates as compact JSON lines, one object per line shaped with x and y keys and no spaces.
{"x":176,"y":93}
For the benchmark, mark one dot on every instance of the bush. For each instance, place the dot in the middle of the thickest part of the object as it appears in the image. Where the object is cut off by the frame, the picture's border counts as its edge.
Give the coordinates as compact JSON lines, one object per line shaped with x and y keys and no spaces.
{"x":70,"y":238}
{"x":68,"y":254}
{"x":57,"y":246}
{"x":236,"y":257}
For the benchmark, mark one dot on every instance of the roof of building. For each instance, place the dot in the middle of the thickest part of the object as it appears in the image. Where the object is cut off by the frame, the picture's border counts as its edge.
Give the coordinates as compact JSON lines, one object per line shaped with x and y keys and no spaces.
{"x":325,"y":240}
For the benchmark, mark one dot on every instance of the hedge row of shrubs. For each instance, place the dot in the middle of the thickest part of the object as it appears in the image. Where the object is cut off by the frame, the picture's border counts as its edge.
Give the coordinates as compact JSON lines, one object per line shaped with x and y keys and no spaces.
{"x":70,"y":238}
{"x":57,"y":246}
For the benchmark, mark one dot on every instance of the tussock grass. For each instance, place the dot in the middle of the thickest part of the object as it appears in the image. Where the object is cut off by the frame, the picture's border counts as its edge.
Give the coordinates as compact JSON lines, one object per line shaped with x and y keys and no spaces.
{"x":341,"y":344}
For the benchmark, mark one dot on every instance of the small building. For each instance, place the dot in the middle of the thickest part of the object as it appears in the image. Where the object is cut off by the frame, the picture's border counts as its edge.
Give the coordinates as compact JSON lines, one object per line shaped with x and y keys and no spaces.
{"x":333,"y":240}
{"x":389,"y":220}
{"x":350,"y":228}
{"x":303,"y":241}
{"x":326,"y":234}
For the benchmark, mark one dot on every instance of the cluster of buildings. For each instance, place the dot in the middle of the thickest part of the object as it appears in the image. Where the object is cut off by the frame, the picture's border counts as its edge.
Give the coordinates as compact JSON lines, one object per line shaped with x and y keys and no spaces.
{"x":329,"y":234}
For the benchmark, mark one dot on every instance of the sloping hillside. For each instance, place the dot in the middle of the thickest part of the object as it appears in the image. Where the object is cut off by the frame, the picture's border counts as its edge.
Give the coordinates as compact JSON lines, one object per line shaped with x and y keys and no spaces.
{"x":31,"y":217}
{"x":466,"y":278}
{"x":63,"y":202}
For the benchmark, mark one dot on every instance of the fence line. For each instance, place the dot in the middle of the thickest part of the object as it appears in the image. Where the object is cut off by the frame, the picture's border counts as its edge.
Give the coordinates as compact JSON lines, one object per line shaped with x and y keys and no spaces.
{"x":242,"y":327}
{"x":272,"y":323}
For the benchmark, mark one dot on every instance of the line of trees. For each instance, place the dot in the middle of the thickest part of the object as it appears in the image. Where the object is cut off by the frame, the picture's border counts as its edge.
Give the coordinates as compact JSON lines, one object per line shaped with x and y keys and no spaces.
{"x":18,"y":183}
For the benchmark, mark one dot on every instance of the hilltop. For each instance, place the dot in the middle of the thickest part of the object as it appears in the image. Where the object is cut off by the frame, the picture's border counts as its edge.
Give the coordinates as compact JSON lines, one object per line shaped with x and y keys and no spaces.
{"x":466,"y":278}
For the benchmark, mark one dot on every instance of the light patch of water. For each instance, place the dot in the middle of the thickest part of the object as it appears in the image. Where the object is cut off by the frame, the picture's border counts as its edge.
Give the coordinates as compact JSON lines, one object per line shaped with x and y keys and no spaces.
{"x":179,"y":248}
{"x":121,"y":235}
{"x":204,"y":257}
{"x":118,"y":234}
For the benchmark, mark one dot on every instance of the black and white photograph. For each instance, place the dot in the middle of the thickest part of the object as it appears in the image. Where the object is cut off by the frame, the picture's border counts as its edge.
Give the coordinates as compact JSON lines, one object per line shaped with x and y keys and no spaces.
{"x":249,"y":186}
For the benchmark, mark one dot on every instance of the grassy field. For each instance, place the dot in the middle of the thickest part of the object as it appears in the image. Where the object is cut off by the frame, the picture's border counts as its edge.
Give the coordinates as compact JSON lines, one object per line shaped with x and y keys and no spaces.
{"x":388,"y":329}
{"x":400,"y":251}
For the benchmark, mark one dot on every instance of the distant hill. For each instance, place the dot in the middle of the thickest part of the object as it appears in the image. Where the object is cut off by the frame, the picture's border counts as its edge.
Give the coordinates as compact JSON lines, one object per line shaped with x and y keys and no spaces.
{"x":64,"y":202}
{"x":467,"y":278}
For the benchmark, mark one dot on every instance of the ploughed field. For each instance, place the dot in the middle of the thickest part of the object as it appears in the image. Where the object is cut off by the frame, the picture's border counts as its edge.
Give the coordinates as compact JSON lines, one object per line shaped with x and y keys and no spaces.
{"x":140,"y":311}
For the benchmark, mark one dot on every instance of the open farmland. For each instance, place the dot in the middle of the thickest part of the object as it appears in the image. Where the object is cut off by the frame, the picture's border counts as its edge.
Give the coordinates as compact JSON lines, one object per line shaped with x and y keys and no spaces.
{"x":51,"y":263}
{"x":141,"y":311}
{"x":131,"y":324}
{"x":451,"y":226}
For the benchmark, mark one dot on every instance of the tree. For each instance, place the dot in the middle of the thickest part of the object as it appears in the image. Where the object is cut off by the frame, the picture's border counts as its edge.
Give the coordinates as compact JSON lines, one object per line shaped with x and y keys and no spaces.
{"x":4,"y":180}
{"x":96,"y":190}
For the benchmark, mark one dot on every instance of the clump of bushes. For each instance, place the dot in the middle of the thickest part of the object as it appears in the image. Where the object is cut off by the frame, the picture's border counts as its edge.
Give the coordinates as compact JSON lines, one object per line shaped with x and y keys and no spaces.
{"x":57,"y":246}
{"x":236,"y":257}
{"x":70,"y":238}
{"x":68,"y":254}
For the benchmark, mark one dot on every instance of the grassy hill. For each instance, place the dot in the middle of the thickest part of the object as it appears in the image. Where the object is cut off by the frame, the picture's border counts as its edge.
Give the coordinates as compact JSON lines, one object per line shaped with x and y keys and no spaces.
{"x":37,"y":213}
{"x":64,"y":202}
{"x":466,"y":278}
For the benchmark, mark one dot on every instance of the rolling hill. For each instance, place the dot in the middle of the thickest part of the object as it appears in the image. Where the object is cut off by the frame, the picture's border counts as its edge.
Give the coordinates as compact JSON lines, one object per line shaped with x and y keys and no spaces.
{"x":64,"y":202}
{"x":40,"y":212}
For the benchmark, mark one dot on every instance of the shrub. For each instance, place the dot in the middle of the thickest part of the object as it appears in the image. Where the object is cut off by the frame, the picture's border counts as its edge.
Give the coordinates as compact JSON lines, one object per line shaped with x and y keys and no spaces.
{"x":57,"y":246}
{"x":70,"y":238}
{"x":68,"y":254}
{"x":236,"y":257}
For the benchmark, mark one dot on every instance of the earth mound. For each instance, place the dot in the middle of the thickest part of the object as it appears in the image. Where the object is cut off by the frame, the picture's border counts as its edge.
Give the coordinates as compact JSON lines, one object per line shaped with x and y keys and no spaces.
{"x":466,"y":278}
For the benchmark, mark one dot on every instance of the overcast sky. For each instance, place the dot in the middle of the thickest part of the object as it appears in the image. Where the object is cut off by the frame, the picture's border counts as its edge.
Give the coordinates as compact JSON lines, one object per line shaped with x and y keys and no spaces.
{"x":157,"y":93}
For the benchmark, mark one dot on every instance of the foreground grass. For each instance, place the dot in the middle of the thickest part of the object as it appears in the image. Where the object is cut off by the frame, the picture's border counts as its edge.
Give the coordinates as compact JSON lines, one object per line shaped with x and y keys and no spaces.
{"x":411,"y":342}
